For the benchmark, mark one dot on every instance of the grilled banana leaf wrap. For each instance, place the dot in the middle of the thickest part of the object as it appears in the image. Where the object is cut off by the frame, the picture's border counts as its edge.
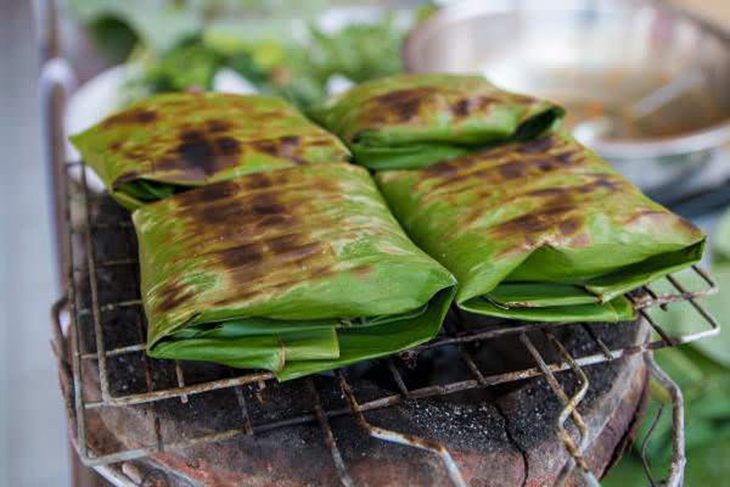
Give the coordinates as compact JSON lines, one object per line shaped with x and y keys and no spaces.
{"x":295,"y":271}
{"x":414,"y":120}
{"x":540,"y":230}
{"x":172,"y":142}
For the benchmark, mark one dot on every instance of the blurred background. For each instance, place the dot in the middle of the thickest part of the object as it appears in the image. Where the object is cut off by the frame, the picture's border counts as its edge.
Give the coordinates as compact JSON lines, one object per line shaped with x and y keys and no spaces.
{"x":647,"y":86}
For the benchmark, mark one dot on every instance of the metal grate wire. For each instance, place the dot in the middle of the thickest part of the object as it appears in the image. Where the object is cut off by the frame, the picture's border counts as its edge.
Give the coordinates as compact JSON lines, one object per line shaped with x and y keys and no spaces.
{"x":82,"y":280}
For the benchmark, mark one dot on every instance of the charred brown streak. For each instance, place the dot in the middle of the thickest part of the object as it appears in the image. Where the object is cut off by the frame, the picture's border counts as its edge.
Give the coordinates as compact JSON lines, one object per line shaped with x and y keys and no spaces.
{"x":466,"y":106}
{"x":245,"y":258}
{"x":401,"y":105}
{"x":245,"y":255}
{"x":237,"y":219}
{"x":507,"y":163}
{"x":202,"y":152}
{"x":555,"y":214}
{"x":289,"y":146}
{"x":265,"y":205}
{"x":281,"y":244}
{"x":529,"y":224}
{"x":136,"y":153}
{"x":265,"y":283}
{"x":461,"y":108}
{"x":131,"y":117}
{"x":445,"y":169}
{"x":228,"y":207}
{"x":227,"y":146}
{"x":258,"y":181}
{"x":566,"y":158}
{"x":519,"y":164}
{"x":532,"y":228}
{"x":211,"y":208}
{"x":251,"y":265}
{"x":450,"y":172}
{"x":290,"y":140}
{"x":307,"y":252}
{"x":197,"y":150}
{"x":557,"y":211}
{"x":266,"y":146}
{"x":218,"y":214}
{"x":512,"y":170}
{"x":602,"y":182}
{"x":321,"y":142}
{"x":286,"y":147}
{"x":292,"y":245}
{"x":172,"y":296}
{"x":275,"y":221}
{"x":207,"y":194}
{"x":553,"y":193}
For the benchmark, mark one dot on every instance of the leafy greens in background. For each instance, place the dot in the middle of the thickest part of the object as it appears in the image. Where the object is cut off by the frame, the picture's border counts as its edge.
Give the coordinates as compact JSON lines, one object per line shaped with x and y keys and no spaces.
{"x":276,"y":46}
{"x":159,"y":25}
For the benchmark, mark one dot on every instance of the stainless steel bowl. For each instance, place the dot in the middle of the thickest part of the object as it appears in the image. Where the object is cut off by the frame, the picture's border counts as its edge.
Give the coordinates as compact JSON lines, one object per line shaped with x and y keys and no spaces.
{"x":645,"y":84}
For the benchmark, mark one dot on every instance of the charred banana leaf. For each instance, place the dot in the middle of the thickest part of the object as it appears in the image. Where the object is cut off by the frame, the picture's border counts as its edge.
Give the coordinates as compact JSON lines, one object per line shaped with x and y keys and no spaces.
{"x":295,"y":271}
{"x":173,"y":142}
{"x":414,"y":120}
{"x":540,"y":230}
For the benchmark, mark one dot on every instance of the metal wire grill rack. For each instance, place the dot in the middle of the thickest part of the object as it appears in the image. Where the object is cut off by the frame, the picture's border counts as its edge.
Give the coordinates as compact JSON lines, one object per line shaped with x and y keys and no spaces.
{"x":88,"y":354}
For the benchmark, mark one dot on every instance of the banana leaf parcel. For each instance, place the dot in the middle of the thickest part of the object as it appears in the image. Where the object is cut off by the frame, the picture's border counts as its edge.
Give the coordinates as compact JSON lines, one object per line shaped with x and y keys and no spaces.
{"x":414,"y":120}
{"x":540,"y":230}
{"x":172,"y":142}
{"x":295,"y":271}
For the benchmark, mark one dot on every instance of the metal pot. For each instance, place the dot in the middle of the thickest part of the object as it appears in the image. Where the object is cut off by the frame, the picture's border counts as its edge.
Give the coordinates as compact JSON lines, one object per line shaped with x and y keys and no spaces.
{"x":646,"y":85}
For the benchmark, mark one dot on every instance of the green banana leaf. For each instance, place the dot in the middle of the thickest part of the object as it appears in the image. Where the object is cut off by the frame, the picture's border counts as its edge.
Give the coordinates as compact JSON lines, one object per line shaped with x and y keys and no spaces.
{"x":415,"y":120}
{"x":169,"y":143}
{"x":540,"y":230}
{"x":296,"y":271}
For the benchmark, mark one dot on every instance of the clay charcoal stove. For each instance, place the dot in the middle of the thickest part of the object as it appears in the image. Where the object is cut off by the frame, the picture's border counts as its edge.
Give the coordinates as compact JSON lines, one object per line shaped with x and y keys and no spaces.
{"x":485,"y":403}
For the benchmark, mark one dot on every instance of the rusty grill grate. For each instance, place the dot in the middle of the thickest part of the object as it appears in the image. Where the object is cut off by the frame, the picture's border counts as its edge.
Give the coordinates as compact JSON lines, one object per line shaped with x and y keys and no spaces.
{"x":89,"y":354}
